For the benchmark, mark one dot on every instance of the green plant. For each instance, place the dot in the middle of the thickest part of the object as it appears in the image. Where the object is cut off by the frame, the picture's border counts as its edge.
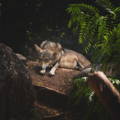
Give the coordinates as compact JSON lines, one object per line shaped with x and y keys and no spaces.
{"x":99,"y":35}
{"x":115,"y":82}
{"x":81,"y":90}
{"x":81,"y":21}
{"x":95,"y":31}
{"x":110,"y":47}
{"x":84,"y":97}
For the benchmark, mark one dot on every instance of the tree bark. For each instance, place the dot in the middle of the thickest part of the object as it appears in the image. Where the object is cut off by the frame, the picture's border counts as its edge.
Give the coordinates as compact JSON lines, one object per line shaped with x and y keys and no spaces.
{"x":106,"y":92}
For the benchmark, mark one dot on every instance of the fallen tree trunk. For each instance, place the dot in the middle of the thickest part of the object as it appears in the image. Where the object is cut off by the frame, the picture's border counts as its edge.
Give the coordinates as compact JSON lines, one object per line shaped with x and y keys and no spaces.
{"x":56,"y":88}
{"x":106,"y":92}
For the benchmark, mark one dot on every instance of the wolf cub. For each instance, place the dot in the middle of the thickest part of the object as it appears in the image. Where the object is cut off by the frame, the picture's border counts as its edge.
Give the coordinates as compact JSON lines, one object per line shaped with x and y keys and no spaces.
{"x":52,"y":54}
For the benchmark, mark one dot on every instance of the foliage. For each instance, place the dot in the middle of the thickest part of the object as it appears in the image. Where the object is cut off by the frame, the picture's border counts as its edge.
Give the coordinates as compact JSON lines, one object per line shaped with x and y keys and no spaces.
{"x":98,"y":34}
{"x":107,"y":51}
{"x":115,"y":82}
{"x":81,"y":92}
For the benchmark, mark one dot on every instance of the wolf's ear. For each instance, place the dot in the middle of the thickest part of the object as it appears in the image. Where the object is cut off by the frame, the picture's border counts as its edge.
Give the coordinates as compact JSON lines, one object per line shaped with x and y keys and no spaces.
{"x":37,"y":48}
{"x":59,"y":46}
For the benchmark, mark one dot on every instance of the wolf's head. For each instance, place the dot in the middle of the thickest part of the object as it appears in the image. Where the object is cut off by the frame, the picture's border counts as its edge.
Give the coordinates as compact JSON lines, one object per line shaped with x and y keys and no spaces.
{"x":47,"y":56}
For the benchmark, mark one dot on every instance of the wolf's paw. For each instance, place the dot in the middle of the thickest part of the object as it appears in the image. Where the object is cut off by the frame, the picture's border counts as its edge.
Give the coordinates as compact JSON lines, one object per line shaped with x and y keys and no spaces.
{"x":42,"y":72}
{"x":51,"y":73}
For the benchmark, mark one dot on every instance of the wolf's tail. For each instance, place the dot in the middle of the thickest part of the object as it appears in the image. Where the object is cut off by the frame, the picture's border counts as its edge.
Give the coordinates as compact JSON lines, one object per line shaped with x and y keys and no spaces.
{"x":86,"y":71}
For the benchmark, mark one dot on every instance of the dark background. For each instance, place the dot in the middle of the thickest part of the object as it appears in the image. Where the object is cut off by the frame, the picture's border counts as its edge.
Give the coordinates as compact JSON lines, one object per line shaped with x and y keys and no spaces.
{"x":45,"y":18}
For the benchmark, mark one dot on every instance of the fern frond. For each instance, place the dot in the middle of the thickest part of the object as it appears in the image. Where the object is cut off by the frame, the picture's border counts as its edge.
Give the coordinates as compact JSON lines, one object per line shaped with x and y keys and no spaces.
{"x":105,"y":3}
{"x":82,"y":8}
{"x":100,"y":35}
{"x":117,"y":10}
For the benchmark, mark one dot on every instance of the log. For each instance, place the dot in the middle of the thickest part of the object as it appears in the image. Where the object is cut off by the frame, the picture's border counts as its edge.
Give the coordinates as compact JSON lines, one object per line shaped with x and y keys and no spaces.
{"x":61,"y":82}
{"x":56,"y":88}
{"x":106,"y":92}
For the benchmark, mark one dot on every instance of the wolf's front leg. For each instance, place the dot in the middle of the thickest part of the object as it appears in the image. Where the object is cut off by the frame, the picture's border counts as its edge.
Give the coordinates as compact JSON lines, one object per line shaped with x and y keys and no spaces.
{"x":52,"y":71}
{"x":43,"y":71}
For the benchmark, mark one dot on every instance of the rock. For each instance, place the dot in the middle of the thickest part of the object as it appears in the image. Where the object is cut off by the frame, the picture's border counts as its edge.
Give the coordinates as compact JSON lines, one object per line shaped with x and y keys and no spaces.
{"x":16,"y":91}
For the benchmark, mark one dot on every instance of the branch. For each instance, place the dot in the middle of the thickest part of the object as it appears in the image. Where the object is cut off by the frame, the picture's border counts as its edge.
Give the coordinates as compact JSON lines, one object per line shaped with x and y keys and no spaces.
{"x":106,"y":92}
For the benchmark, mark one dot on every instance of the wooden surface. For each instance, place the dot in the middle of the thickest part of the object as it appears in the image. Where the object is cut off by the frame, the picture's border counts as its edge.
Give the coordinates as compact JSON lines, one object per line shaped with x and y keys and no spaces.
{"x":61,"y":82}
